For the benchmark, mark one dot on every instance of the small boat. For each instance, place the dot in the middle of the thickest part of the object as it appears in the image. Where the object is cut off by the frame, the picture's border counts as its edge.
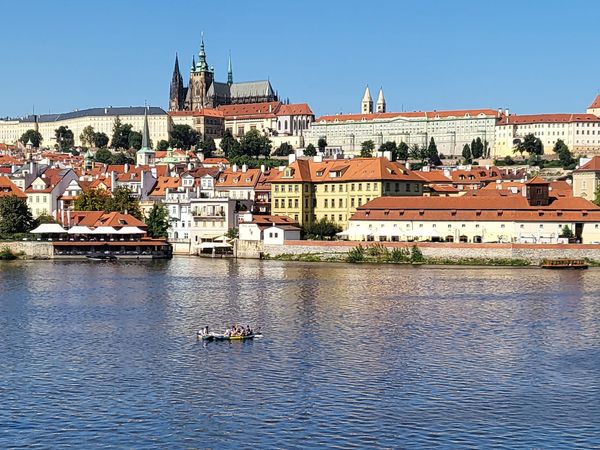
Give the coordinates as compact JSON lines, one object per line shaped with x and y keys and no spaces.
{"x":221,"y":337}
{"x":101,"y":257}
{"x":564,"y":263}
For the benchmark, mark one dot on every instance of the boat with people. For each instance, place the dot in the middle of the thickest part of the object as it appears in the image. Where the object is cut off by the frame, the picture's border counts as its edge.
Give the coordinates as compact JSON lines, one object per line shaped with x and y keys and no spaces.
{"x":101,"y":257}
{"x":564,"y":263}
{"x":234,"y":333}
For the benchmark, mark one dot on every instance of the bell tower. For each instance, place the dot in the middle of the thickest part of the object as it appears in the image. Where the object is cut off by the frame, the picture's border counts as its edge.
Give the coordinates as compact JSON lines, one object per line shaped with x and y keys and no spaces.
{"x":366,"y":105}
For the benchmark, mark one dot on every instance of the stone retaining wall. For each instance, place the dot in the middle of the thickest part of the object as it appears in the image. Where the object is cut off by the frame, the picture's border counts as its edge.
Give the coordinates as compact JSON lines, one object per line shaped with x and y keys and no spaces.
{"x":532,"y":252}
{"x":31,"y":249}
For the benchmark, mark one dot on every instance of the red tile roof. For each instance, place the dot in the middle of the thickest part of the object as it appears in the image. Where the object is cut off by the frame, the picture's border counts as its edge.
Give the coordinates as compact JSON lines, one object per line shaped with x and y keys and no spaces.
{"x":416,"y":114}
{"x":100,"y":218}
{"x":548,"y":118}
{"x":230,"y":179}
{"x":296,"y":109}
{"x":249,"y":109}
{"x":8,"y":188}
{"x":591,"y":166}
{"x":596,"y":103}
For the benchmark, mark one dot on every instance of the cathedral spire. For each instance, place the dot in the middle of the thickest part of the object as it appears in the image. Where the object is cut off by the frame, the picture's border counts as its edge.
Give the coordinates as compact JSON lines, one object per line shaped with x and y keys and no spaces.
{"x":176,"y":91}
{"x":366,"y":104}
{"x":193,"y":63}
{"x":380,"y":106}
{"x":229,"y":71}
{"x":202,"y":66}
{"x":146,"y":132}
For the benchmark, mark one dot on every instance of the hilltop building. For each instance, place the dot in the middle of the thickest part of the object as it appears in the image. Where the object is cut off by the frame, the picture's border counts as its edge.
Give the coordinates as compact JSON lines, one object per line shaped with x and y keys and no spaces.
{"x":203,"y":91}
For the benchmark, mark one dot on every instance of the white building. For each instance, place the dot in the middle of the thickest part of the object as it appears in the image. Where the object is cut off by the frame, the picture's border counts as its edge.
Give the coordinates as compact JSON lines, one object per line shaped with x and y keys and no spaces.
{"x":101,"y":119}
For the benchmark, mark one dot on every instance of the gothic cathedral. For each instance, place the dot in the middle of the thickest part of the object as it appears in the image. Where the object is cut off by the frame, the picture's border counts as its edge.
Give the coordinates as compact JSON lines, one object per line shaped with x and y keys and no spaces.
{"x":204,"y":92}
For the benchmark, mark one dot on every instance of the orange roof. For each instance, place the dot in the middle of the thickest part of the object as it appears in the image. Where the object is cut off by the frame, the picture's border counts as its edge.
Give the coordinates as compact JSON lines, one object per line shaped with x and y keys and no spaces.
{"x":6,"y":160}
{"x":591,"y":166}
{"x":205,"y":112}
{"x":476,"y":175}
{"x":215,"y":161}
{"x":548,"y":118}
{"x":596,"y":103}
{"x":295,"y":110}
{"x":8,"y":188}
{"x":100,"y":218}
{"x":164,"y":183}
{"x":461,"y":113}
{"x":434,"y":176}
{"x":273,"y":220}
{"x":249,"y":109}
{"x":230,"y":179}
{"x":357,"y":169}
{"x":475,"y":208}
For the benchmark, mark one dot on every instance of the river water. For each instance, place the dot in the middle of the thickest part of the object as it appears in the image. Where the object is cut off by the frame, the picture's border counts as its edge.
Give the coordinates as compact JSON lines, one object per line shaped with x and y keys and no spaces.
{"x":98,"y":354}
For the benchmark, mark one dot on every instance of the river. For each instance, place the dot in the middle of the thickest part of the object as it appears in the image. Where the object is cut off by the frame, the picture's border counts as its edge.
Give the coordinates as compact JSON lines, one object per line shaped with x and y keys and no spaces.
{"x":101,"y":354}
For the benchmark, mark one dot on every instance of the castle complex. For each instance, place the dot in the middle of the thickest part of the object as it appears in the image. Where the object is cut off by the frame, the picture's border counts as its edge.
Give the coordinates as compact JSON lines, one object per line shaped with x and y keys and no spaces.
{"x":204,"y":92}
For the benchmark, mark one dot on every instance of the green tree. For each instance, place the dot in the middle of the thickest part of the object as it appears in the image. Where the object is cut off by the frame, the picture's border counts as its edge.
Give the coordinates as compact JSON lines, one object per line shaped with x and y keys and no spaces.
{"x":432,"y":154}
{"x":15,"y":216}
{"x":64,"y":138}
{"x":477,"y":148}
{"x":121,"y":158}
{"x":207,"y":146}
{"x":158,"y":221}
{"x":100,"y":140}
{"x":184,"y":137}
{"x":104,"y":156}
{"x":310,"y":150}
{"x":232,"y":233}
{"x":564,"y":155}
{"x":43,"y":218}
{"x":466,"y":154}
{"x":531,"y":145}
{"x":91,"y":200}
{"x":120,"y":137}
{"x":402,"y":152}
{"x":566,"y":232}
{"x":322,"y":143}
{"x":35,"y":137}
{"x":366,"y":149}
{"x":509,"y":161}
{"x":254,"y":144}
{"x":134,"y":140}
{"x":284,"y":149}
{"x":162,"y":145}
{"x":416,"y":255}
{"x":321,"y":229}
{"x":596,"y":200}
{"x":87,"y":136}
{"x":123,"y":201}
{"x":419,"y":153}
{"x":389,"y":146}
{"x":230,"y":145}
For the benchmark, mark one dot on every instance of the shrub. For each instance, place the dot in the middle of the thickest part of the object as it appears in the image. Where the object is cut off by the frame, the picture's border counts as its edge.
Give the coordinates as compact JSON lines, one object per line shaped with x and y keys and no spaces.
{"x":416,"y":255}
{"x":6,"y":254}
{"x":356,"y":255}
{"x":399,"y":255}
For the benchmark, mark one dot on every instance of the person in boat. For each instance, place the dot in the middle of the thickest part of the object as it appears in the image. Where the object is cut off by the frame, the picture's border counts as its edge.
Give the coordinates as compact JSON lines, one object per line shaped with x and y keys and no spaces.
{"x":228,"y":332}
{"x":248,"y":330}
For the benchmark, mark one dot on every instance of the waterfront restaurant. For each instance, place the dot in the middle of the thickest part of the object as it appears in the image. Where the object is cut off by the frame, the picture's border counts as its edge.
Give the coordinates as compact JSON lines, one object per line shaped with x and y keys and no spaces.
{"x":96,"y":233}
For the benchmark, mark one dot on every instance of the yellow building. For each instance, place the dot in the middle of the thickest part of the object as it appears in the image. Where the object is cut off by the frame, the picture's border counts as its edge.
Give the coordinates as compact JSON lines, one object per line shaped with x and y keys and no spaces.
{"x":586,"y":179}
{"x":309,"y":190}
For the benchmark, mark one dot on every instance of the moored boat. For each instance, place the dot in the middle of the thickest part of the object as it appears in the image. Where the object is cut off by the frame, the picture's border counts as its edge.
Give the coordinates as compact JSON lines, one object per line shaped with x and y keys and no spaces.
{"x":221,"y":337}
{"x":564,"y":263}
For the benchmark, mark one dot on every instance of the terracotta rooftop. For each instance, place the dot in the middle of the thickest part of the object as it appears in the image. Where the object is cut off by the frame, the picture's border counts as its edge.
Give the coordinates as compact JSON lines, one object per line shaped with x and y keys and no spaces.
{"x":463,"y":113}
{"x":548,"y":118}
{"x":591,"y":166}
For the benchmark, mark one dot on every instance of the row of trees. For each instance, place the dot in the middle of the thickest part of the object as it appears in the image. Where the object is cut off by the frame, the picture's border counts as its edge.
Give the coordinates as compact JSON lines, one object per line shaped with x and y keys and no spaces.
{"x":402,"y":152}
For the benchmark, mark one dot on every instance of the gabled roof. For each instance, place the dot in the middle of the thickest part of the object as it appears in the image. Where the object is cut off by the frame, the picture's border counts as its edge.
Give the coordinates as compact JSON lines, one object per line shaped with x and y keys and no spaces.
{"x":591,"y":166}
{"x":8,"y":188}
{"x":295,"y":110}
{"x":596,"y":103}
{"x":100,"y":218}
{"x":239,"y":179}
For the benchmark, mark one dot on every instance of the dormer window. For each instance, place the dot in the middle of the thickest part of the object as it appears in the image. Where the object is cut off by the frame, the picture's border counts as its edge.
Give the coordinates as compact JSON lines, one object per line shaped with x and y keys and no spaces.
{"x":319,"y":173}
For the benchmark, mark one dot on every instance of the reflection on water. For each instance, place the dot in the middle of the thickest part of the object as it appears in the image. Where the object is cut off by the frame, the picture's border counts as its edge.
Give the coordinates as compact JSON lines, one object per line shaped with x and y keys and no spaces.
{"x":353,"y":356}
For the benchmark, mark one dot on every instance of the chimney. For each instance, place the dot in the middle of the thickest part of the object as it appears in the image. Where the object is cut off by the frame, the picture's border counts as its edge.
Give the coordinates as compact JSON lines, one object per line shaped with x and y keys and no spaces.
{"x":318,"y":158}
{"x":499,"y":112}
{"x":263,"y":168}
{"x":244,"y":168}
{"x":126,"y":167}
{"x":291,"y":158}
{"x":507,"y":114}
{"x":388,"y":155}
{"x":234,"y":168}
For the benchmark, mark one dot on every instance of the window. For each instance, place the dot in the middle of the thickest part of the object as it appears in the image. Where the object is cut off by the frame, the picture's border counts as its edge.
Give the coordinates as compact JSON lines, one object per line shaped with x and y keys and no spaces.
{"x":290,"y":187}
{"x":340,"y":217}
{"x":296,"y":203}
{"x":325,"y":203}
{"x":296,"y":188}
{"x":326,"y":188}
{"x":360,"y":186}
{"x":340,"y":203}
{"x":368,"y":186}
{"x":352,"y":202}
{"x":352,"y":187}
{"x":289,"y":203}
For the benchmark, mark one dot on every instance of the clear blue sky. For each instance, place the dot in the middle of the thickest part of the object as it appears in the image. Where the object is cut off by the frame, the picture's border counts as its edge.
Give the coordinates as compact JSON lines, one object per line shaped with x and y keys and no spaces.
{"x":530,"y":56}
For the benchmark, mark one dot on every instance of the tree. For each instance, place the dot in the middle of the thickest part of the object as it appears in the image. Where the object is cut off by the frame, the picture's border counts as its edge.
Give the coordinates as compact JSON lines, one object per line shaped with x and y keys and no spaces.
{"x":432,"y":154}
{"x":87,"y":136}
{"x":103,"y":156}
{"x":566,"y":232}
{"x":184,"y":137}
{"x":402,"y":151}
{"x":123,"y":201}
{"x":120,"y":137}
{"x":158,"y":221}
{"x":91,"y":200}
{"x":321,"y":229}
{"x":162,"y":145}
{"x":564,"y":155}
{"x":466,"y":154}
{"x":321,"y":143}
{"x":100,"y":140}
{"x":254,"y":144}
{"x":31,"y":135}
{"x":284,"y":149}
{"x":530,"y":144}
{"x":509,"y":161}
{"x":121,"y":158}
{"x":389,"y":146}
{"x":233,"y":233}
{"x":310,"y":150}
{"x":207,"y":146}
{"x":596,"y":200}
{"x":477,"y":149}
{"x":43,"y":218}
{"x":418,"y":153}
{"x":134,"y":140}
{"x":64,"y":138}
{"x":15,"y":216}
{"x":230,"y":145}
{"x":366,"y":149}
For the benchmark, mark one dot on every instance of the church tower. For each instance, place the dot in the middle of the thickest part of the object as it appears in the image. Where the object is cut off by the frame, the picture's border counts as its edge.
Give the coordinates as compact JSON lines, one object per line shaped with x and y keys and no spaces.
{"x":229,"y":72}
{"x":380,"y":105}
{"x":367,"y":102}
{"x":177,"y":92}
{"x":145,"y":156}
{"x":201,"y":79}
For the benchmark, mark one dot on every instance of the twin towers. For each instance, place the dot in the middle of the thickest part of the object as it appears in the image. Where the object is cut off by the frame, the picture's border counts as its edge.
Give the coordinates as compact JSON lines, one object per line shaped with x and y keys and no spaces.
{"x":366,"y":105}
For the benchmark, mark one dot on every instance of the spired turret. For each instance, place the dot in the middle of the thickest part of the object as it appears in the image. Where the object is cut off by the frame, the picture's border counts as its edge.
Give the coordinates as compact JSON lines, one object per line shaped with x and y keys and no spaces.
{"x":177,"y":92}
{"x":145,"y":156}
{"x":366,"y":106}
{"x":380,"y":105}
